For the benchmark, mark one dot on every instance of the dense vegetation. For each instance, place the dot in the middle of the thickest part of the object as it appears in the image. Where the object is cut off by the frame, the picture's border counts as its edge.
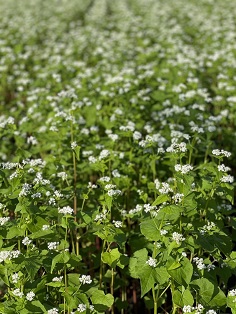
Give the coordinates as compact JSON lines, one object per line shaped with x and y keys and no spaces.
{"x":117,"y":156}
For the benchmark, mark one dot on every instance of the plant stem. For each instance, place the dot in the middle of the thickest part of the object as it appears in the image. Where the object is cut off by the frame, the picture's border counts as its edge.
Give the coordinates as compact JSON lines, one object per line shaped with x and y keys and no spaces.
{"x":112,"y":288}
{"x":154,"y":300}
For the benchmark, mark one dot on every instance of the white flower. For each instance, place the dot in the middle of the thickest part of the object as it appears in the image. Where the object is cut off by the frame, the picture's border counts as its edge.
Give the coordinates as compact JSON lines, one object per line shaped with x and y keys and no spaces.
{"x":183,"y":169}
{"x":104,"y":179}
{"x":92,"y":159}
{"x":57,"y":279}
{"x":18,"y":293}
{"x":116,"y":173}
{"x":92,"y":186}
{"x":45,"y":227}
{"x":177,"y":237}
{"x":137,"y":135}
{"x":151,"y":262}
{"x":65,"y":210}
{"x":117,"y":223}
{"x":15,"y":277}
{"x":157,"y":184}
{"x":211,"y":312}
{"x":163,"y":231}
{"x":85,"y":279}
{"x":26,"y":241}
{"x":113,"y":137}
{"x":148,"y":208}
{"x":199,"y":262}
{"x":188,"y":309}
{"x":53,"y":311}
{"x":3,"y":220}
{"x":81,"y":307}
{"x":232,"y":293}
{"x":114,"y":192}
{"x":165,"y":188}
{"x":227,"y":179}
{"x":199,"y":309}
{"x":178,"y":197}
{"x":73,"y":145}
{"x":30,"y":296}
{"x":52,"y":245}
{"x":62,"y":175}
{"x":36,"y":195}
{"x":110,"y":186}
{"x":222,"y":152}
{"x":210,"y":267}
{"x":103,"y":154}
{"x":223,"y":168}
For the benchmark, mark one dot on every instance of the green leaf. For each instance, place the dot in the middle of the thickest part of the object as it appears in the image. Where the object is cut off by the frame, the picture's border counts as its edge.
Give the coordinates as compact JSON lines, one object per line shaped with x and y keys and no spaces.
{"x":209,"y":293}
{"x":170,"y":213}
{"x":149,"y":228}
{"x":182,"y":298}
{"x":35,"y":307}
{"x":14,"y":232}
{"x":182,"y":274}
{"x":160,"y":199}
{"x":40,"y":234}
{"x":61,"y":258}
{"x":231,"y":303}
{"x":219,"y":240}
{"x":4,"y":274}
{"x":161,"y":275}
{"x":147,"y":279}
{"x":101,"y":301}
{"x":73,"y":279}
{"x":111,"y":258}
{"x":77,"y":152}
{"x":137,"y":261}
{"x":32,"y":265}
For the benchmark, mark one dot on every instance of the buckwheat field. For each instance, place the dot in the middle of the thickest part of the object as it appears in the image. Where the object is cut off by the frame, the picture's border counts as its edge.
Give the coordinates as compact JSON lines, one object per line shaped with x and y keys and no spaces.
{"x":117,"y":156}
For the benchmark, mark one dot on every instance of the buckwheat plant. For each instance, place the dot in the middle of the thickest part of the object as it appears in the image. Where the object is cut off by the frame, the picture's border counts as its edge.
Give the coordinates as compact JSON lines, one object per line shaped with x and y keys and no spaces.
{"x":117,"y":156}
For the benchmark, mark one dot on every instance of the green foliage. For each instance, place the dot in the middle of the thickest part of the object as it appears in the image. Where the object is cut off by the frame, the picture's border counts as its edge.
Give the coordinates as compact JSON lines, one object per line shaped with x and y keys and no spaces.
{"x":117,"y":156}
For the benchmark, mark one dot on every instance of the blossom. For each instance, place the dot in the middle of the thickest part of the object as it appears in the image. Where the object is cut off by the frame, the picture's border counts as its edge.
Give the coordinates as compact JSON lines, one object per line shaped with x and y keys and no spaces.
{"x":30,"y":296}
{"x":117,"y":223}
{"x":3,"y":220}
{"x":232,"y":293}
{"x":114,"y":192}
{"x":199,"y":262}
{"x":53,"y":311}
{"x":18,"y":293}
{"x":104,"y":179}
{"x":103,"y":154}
{"x":177,"y":237}
{"x":66,"y":210}
{"x":73,"y":145}
{"x":227,"y":179}
{"x":148,"y":208}
{"x":178,"y":197}
{"x":52,"y":245}
{"x":163,"y":232}
{"x":151,"y":262}
{"x":85,"y":279}
{"x":188,"y":309}
{"x":218,"y":152}
{"x":81,"y":307}
{"x":62,"y":175}
{"x":57,"y":279}
{"x":223,"y":168}
{"x":26,"y":241}
{"x":45,"y":227}
{"x":183,"y":169}
{"x":15,"y":277}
